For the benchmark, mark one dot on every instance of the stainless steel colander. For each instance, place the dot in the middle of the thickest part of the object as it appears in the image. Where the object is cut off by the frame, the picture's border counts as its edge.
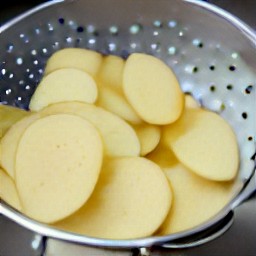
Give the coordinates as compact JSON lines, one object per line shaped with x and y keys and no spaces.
{"x":212,"y":53}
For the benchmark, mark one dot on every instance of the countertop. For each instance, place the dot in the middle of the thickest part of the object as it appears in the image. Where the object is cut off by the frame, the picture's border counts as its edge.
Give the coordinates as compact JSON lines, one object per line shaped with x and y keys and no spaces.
{"x":239,"y":240}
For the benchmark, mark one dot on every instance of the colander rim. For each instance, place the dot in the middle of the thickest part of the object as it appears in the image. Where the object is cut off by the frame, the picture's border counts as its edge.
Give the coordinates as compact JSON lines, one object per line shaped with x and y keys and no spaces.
{"x":45,"y":230}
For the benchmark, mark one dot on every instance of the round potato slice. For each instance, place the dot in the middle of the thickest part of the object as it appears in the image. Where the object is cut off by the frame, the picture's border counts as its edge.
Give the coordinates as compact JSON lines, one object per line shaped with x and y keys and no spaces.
{"x":119,"y":138}
{"x":58,"y":162}
{"x":190,"y":102}
{"x":149,"y":137}
{"x":83,"y":59}
{"x":111,"y":72}
{"x":64,"y":85}
{"x":9,"y":143}
{"x":8,"y":191}
{"x":8,"y":116}
{"x":152,"y":89}
{"x":196,"y":199}
{"x":113,"y":101}
{"x":205,"y":143}
{"x":124,"y":204}
{"x":163,"y":156}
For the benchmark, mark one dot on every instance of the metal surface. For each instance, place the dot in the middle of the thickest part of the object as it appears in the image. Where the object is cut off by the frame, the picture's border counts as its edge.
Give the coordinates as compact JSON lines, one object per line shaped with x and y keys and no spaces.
{"x":187,"y":42}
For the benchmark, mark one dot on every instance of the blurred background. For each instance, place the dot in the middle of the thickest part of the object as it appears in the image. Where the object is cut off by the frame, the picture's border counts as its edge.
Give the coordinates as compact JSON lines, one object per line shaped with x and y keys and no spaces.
{"x":244,"y":9}
{"x":238,"y":241}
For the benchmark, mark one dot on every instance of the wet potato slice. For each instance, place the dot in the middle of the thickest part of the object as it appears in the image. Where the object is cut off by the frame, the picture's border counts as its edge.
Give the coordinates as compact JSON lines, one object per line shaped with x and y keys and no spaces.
{"x":111,"y":72}
{"x":205,"y":143}
{"x":190,"y":102}
{"x":82,"y":59}
{"x":8,"y":191}
{"x":119,"y":138}
{"x":163,"y":156}
{"x":152,"y":89}
{"x":124,"y":204}
{"x":8,"y":116}
{"x":196,"y":199}
{"x":149,"y":136}
{"x":115,"y":102}
{"x":64,"y":85}
{"x":9,"y":143}
{"x":58,"y":162}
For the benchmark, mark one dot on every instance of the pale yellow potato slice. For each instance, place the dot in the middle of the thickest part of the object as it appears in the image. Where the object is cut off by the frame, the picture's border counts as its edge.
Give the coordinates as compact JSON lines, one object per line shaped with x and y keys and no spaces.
{"x":83,"y":59}
{"x":196,"y":199}
{"x":64,"y":85}
{"x":152,"y":89}
{"x":190,"y":102}
{"x":205,"y":143}
{"x":58,"y":162}
{"x":119,"y":138}
{"x":131,"y":200}
{"x":8,"y":191}
{"x":8,"y":116}
{"x":115,"y":102}
{"x":10,"y":142}
{"x":149,"y":136}
{"x":163,"y":156}
{"x":111,"y":72}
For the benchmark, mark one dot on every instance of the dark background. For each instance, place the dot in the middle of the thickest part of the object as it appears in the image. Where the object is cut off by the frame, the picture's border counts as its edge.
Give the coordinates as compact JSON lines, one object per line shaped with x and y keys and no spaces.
{"x":244,"y":9}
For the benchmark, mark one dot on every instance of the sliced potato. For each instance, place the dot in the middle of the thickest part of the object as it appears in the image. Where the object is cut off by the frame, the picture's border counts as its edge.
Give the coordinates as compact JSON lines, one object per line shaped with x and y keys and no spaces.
{"x":119,"y":138}
{"x":10,"y":142}
{"x":115,"y":102}
{"x":205,"y":143}
{"x":190,"y":102}
{"x":124,"y":204}
{"x":111,"y":72}
{"x":152,"y":89}
{"x":83,"y":59}
{"x":8,"y":116}
{"x":163,"y":156}
{"x":195,"y":199}
{"x":8,"y":191}
{"x":149,"y":136}
{"x":58,"y":162}
{"x":55,"y":156}
{"x":64,"y":85}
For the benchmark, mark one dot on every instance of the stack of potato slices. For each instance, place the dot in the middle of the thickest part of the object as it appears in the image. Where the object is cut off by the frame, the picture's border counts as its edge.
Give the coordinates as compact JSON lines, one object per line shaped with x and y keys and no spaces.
{"x":112,"y":148}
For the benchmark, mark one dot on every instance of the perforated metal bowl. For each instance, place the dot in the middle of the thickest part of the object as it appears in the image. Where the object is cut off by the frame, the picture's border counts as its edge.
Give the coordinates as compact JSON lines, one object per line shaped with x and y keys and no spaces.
{"x":212,"y":53}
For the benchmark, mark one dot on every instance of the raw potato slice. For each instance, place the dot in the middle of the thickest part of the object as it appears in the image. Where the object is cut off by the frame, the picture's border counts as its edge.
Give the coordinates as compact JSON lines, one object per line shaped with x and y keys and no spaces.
{"x":8,"y":116}
{"x":190,"y":102}
{"x":195,"y":199}
{"x":113,"y":101}
{"x":10,"y":142}
{"x":8,"y":191}
{"x":111,"y":72}
{"x":119,"y":138}
{"x":152,"y":89}
{"x":83,"y":59}
{"x":58,"y":162}
{"x":205,"y":143}
{"x":149,"y":137}
{"x":163,"y":156}
{"x":64,"y":85}
{"x":124,"y":204}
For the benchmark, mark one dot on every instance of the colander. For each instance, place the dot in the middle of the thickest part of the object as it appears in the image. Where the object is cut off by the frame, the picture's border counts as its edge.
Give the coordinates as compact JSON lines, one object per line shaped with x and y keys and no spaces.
{"x":212,"y":53}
